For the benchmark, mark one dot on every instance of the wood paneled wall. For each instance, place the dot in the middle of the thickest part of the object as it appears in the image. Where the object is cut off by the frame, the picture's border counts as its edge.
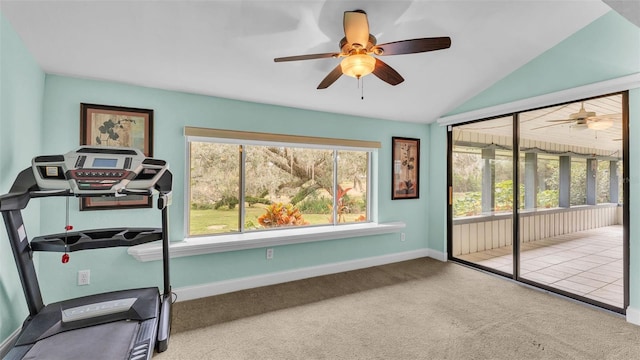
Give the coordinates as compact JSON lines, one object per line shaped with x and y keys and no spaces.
{"x":486,"y":233}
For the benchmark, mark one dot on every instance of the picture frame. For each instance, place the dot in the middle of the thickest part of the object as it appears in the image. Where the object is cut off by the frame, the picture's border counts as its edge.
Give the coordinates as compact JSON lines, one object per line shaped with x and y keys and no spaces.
{"x":117,"y":126}
{"x":405,"y":165}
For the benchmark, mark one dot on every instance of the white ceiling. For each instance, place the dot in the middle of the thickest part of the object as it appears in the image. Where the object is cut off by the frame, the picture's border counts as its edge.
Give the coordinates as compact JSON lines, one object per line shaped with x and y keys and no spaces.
{"x":226,"y":48}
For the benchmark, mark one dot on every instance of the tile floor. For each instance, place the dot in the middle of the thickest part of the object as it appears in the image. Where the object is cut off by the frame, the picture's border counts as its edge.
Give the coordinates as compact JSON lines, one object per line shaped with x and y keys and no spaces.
{"x":586,"y":263}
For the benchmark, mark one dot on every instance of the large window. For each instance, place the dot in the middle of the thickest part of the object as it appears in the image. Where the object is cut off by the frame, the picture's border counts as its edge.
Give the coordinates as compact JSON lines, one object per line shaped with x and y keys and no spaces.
{"x":214,"y":186}
{"x":242,"y":185}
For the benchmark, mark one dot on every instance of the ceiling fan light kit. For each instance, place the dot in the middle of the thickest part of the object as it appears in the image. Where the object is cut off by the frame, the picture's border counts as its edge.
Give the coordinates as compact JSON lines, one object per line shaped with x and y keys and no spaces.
{"x":599,"y":124}
{"x":358,"y":47}
{"x":358,"y":65}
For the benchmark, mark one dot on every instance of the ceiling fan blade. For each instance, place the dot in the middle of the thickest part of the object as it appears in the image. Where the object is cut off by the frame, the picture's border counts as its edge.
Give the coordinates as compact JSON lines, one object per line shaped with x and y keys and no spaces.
{"x":563,"y":120}
{"x":607,"y":116}
{"x":386,"y":73}
{"x":356,"y":27}
{"x":331,"y":78}
{"x":306,"y":57}
{"x":413,"y":46}
{"x":544,"y":126}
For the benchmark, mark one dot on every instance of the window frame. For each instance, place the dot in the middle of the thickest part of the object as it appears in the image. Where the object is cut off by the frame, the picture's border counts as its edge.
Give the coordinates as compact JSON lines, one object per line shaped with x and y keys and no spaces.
{"x":242,"y":139}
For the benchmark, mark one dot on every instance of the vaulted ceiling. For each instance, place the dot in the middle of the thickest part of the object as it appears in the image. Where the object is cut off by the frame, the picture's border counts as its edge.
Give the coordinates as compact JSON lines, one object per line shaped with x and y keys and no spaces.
{"x":226,"y":48}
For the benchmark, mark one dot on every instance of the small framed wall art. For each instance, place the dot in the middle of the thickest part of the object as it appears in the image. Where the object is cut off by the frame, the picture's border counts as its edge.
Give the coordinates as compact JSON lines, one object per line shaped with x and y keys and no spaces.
{"x":406,"y":168}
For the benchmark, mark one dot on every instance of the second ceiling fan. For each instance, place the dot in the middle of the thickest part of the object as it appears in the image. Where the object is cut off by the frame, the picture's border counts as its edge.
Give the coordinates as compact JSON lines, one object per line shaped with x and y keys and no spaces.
{"x":358,"y":47}
{"x":586,"y":120}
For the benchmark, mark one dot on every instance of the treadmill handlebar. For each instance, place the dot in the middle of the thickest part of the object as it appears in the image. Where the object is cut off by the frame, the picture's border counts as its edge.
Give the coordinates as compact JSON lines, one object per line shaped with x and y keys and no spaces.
{"x":163,"y":185}
{"x":20,"y":193}
{"x":25,"y":188}
{"x":134,"y":192}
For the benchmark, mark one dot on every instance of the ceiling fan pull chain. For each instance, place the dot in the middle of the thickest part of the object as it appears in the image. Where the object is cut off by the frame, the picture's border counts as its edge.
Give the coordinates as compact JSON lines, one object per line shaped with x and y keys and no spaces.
{"x":361,"y":89}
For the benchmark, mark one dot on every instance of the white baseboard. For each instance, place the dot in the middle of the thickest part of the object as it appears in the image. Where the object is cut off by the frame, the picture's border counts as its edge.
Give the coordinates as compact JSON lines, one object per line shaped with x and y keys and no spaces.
{"x":7,"y":343}
{"x":633,"y":315}
{"x":227,"y":286}
{"x":438,"y":255}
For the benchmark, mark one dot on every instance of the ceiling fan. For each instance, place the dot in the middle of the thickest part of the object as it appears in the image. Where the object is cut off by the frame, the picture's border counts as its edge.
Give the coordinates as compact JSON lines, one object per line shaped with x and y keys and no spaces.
{"x":585,"y":120}
{"x":358,"y":47}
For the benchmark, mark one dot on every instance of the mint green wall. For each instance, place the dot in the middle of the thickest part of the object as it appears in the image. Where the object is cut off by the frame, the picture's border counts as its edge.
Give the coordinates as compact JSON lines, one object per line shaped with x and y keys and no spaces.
{"x":21,"y":90}
{"x":437,"y":212}
{"x":570,"y":64}
{"x":173,"y":111}
{"x":607,"y":48}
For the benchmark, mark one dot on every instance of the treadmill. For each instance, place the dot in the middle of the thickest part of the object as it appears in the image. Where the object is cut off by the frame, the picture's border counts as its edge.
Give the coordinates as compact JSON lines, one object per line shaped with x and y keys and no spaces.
{"x":125,"y":324}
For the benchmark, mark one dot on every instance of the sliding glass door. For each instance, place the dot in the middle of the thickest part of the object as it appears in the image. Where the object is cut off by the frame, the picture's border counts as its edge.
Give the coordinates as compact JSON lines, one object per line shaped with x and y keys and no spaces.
{"x":482,"y":194}
{"x":567,"y":212}
{"x":571,"y":223}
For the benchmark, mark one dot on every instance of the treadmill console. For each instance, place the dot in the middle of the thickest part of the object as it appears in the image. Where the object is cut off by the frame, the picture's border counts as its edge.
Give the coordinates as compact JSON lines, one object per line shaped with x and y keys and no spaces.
{"x":98,"y":171}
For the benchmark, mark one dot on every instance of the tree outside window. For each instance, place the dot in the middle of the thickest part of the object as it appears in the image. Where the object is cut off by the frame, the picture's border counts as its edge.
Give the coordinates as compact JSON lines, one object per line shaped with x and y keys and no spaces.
{"x":283,"y":186}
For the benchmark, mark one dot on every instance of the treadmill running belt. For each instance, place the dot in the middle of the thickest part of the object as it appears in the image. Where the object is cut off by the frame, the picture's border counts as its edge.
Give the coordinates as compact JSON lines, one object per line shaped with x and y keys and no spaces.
{"x":107,"y":341}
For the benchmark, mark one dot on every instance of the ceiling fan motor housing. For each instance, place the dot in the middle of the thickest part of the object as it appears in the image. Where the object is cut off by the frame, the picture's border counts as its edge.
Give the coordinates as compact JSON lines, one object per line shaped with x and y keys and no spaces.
{"x":349,"y":49}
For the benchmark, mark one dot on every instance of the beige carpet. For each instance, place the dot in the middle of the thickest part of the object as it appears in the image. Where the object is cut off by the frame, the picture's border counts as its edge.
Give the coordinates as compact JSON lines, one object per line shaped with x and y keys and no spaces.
{"x":419,"y":309}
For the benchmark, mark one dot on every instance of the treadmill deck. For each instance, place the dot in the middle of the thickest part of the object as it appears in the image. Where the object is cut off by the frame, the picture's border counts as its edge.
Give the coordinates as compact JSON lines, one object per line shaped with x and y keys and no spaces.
{"x":101,"y":331}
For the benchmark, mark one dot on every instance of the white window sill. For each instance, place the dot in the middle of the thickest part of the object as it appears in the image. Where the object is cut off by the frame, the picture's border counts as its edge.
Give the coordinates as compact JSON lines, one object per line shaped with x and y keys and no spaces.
{"x":261,"y":239}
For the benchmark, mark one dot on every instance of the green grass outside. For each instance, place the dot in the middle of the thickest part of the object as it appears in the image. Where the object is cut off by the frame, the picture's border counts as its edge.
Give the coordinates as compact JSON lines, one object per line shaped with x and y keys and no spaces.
{"x":220,"y":221}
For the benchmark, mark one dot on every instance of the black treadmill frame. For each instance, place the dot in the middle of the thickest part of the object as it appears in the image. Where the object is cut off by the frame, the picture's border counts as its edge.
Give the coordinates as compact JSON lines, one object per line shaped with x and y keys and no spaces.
{"x":22,"y":191}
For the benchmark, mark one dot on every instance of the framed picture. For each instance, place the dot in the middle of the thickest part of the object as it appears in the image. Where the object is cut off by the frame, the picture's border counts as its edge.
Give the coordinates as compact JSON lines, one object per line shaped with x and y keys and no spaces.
{"x":405,"y":155}
{"x":104,"y":125}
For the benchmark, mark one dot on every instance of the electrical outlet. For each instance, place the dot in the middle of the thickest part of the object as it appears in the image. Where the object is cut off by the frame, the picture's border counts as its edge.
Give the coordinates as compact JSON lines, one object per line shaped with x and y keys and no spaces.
{"x":269,"y":253}
{"x":84,"y":277}
{"x":402,"y":238}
